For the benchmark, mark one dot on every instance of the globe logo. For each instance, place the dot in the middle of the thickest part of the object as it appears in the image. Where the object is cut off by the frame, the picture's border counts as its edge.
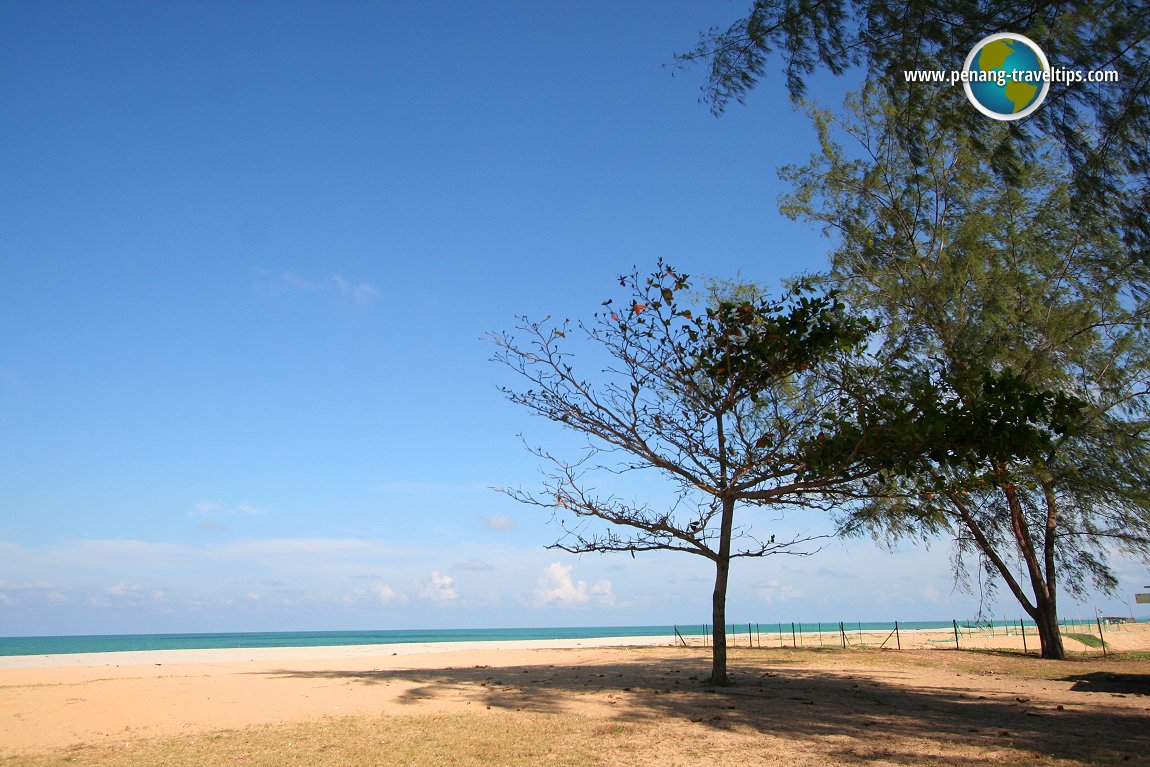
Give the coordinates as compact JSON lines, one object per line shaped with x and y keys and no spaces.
{"x":1006,"y":76}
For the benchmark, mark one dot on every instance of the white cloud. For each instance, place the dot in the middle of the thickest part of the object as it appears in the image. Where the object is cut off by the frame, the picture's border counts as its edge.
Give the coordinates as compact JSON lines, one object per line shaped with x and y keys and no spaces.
{"x":280,"y":547}
{"x":385,"y":594}
{"x":777,"y":593}
{"x":474,"y":565}
{"x":359,"y":293}
{"x":556,"y":587}
{"x":440,"y":589}
{"x":293,"y":280}
{"x":123,"y":590}
{"x":31,"y":593}
{"x":499,"y":523}
{"x":217,"y":509}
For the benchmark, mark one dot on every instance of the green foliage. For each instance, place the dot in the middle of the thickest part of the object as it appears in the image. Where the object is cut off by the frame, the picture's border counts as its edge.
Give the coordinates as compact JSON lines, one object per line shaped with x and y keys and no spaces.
{"x":1100,"y":131}
{"x":916,"y":426}
{"x":750,"y":342}
{"x":721,"y":397}
{"x":1009,"y":405}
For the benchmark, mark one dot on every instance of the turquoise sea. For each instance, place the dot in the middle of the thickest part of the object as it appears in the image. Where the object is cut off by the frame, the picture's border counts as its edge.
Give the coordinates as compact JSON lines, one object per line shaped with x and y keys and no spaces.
{"x":59,"y":645}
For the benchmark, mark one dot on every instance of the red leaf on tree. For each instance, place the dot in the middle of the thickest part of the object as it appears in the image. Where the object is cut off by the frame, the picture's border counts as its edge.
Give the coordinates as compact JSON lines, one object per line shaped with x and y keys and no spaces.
{"x":639,"y":308}
{"x":614,"y":316}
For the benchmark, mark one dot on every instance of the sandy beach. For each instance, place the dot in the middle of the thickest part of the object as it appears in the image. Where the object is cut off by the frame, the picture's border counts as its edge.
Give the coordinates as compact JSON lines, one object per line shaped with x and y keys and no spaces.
{"x":792,"y":706}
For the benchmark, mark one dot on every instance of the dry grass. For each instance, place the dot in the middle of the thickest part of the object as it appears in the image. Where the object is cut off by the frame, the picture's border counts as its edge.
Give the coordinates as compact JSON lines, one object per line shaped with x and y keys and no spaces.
{"x":463,"y":740}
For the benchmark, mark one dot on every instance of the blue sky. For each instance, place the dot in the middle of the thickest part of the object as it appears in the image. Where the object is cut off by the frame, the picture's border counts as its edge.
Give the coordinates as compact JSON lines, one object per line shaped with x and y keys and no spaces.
{"x":249,"y":253}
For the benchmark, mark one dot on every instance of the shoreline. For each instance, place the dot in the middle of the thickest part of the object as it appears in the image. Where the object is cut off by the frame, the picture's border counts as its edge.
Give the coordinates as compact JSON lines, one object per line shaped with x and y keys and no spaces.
{"x":313,"y":652}
{"x":1118,"y":638}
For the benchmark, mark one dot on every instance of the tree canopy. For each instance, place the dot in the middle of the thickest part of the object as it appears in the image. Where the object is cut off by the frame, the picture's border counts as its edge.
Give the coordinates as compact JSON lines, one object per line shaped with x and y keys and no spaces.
{"x":1099,"y":130}
{"x":723,"y":399}
{"x":1015,"y":357}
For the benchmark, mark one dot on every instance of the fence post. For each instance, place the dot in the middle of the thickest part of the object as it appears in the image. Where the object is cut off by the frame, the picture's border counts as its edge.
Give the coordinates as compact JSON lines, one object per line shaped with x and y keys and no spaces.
{"x":1022,"y":628}
{"x":843,"y":634}
{"x":955,"y":633}
{"x":794,"y":640}
{"x":1102,"y":638}
{"x":897,"y":639}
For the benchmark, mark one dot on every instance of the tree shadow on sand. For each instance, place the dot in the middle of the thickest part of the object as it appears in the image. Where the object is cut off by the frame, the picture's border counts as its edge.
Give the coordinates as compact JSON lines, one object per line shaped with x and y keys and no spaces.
{"x":837,"y":709}
{"x":1116,"y":684}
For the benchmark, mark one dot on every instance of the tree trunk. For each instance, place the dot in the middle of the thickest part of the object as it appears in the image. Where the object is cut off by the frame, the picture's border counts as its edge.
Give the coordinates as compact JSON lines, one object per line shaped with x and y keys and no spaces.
{"x":1046,"y":599}
{"x":1042,"y":583}
{"x":719,"y":598}
{"x":719,"y":617}
{"x":1044,"y":608}
{"x":1046,"y":618}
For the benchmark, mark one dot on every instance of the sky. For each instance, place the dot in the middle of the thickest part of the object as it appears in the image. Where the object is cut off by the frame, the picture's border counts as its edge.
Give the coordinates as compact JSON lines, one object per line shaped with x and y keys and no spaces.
{"x":249,"y":257}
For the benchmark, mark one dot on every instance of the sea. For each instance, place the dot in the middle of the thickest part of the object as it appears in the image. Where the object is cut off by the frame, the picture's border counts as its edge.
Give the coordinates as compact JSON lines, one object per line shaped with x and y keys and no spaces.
{"x":63,"y":645}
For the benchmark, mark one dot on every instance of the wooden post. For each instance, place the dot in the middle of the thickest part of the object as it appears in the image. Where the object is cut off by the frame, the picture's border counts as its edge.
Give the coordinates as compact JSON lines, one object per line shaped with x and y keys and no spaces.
{"x":750,"y":638}
{"x":955,"y":633}
{"x":1102,"y":638}
{"x":843,"y":633}
{"x":897,"y":639}
{"x":1022,"y":628}
{"x":794,"y":640}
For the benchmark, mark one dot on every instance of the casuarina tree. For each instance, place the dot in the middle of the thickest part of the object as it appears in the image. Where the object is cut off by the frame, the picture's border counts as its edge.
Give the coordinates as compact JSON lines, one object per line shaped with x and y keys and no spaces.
{"x":1016,"y":360}
{"x":1099,"y":131}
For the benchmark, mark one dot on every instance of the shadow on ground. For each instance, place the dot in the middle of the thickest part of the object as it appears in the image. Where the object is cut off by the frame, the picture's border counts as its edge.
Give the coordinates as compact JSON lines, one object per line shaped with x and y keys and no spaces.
{"x":1118,"y":684}
{"x":886,"y":711}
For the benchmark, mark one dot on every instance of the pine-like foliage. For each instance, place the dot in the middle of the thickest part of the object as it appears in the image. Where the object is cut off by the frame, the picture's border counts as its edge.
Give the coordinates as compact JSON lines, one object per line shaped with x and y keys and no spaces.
{"x":1101,"y":131}
{"x":1015,"y":363}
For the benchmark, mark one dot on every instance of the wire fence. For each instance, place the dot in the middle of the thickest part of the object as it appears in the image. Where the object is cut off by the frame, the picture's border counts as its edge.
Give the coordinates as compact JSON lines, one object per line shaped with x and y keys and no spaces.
{"x":1079,"y":636}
